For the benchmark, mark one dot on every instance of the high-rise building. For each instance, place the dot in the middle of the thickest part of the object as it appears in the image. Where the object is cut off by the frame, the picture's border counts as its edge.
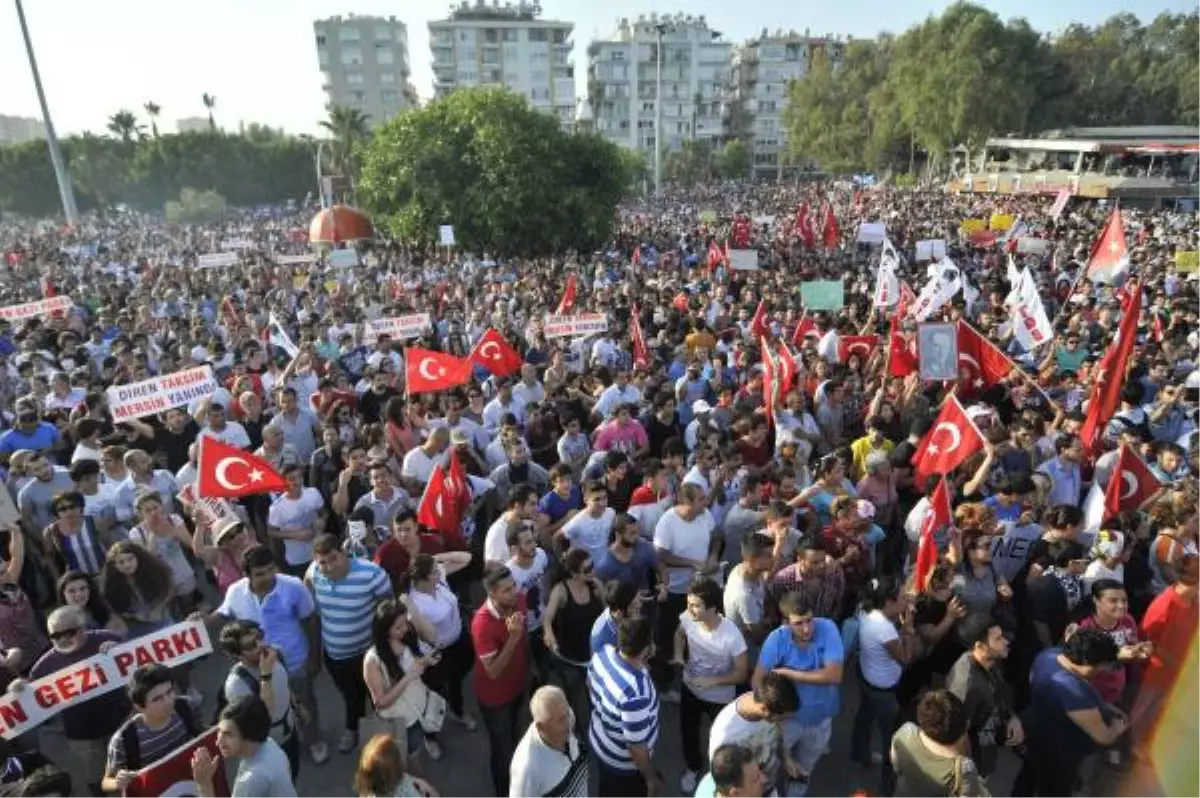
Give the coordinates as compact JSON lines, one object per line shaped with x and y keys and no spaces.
{"x":506,"y":45}
{"x":623,"y":80}
{"x":761,"y":76}
{"x":16,"y":129}
{"x":364,"y":65}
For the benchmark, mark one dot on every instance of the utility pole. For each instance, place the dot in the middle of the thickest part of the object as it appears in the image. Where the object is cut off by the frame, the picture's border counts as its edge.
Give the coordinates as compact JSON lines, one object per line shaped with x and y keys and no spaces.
{"x":661,"y":29}
{"x":66,"y":194}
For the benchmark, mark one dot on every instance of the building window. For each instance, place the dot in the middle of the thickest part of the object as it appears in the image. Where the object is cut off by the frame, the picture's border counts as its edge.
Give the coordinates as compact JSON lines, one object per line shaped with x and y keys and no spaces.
{"x":383,"y":33}
{"x":617,"y":55}
{"x":387,"y":77}
{"x":357,"y":97}
{"x":384,"y":56}
{"x":348,"y":34}
{"x":320,"y":40}
{"x":354,"y":79}
{"x":538,"y":35}
{"x":390,"y":97}
{"x":351,"y":57}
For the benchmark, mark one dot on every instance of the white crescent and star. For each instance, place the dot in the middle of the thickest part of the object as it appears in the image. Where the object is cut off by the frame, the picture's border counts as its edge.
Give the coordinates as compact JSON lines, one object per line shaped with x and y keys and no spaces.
{"x":221,"y":472}
{"x":1130,"y":485}
{"x":859,"y":346}
{"x":423,"y":369}
{"x":955,"y":436}
{"x":493,"y":354}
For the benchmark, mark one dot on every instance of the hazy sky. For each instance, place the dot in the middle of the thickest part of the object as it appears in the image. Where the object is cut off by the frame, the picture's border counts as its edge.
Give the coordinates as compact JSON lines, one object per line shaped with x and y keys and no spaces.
{"x":259,"y":57}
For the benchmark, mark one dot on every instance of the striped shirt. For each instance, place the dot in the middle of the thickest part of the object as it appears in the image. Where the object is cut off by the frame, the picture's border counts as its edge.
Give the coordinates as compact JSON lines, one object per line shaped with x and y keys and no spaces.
{"x":81,"y":550}
{"x":624,"y":709}
{"x":152,"y":745}
{"x":347,"y":606}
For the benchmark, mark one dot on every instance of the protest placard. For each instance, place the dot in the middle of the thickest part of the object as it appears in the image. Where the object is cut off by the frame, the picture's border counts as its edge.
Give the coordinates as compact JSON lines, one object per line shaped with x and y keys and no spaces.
{"x":343,"y":258}
{"x":1187,"y":260}
{"x":743,"y":259}
{"x":823,"y":295}
{"x":42,"y":307}
{"x":969,"y":226}
{"x":446,"y":235}
{"x":44,"y":698}
{"x":931,"y":249}
{"x":872,"y":233}
{"x":295,"y":260}
{"x":1001,"y":222}
{"x":1028,"y":245}
{"x":398,"y":327}
{"x":233,"y":244}
{"x":216,"y":260}
{"x":160,"y":394}
{"x":574,"y":326}
{"x":708,"y":216}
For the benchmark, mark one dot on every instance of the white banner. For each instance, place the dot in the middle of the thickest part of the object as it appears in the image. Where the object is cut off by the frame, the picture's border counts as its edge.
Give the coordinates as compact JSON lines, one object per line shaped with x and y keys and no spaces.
{"x":743,"y":259}
{"x":872,"y":233}
{"x":44,"y":698}
{"x":160,"y":394}
{"x":931,"y":249}
{"x":236,"y":244}
{"x":294,"y":260}
{"x":575,"y":326}
{"x":446,"y":235}
{"x":343,"y":258}
{"x":42,"y":307}
{"x":216,"y":260}
{"x":1028,"y":245}
{"x":887,"y":285}
{"x":398,"y":327}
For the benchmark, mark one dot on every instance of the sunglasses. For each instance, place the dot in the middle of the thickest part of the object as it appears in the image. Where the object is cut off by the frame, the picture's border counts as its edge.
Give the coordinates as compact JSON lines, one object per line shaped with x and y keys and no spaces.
{"x":64,"y":634}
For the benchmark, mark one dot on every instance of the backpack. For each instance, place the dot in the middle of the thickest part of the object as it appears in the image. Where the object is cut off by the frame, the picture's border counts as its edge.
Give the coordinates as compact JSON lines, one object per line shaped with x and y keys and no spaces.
{"x":250,"y":680}
{"x":133,"y":745}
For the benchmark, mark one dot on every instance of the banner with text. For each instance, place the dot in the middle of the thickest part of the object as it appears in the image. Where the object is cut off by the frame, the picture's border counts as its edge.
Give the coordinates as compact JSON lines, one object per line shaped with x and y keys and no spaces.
{"x":295,"y":260}
{"x":43,"y":307}
{"x":398,"y":327}
{"x":44,"y":698}
{"x":160,"y":394}
{"x":216,"y":260}
{"x":575,"y":326}
{"x":745,"y":260}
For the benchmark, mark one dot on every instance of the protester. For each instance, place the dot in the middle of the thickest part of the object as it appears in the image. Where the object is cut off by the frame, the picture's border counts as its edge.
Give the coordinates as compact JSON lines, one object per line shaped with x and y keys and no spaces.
{"x":381,"y":773}
{"x":162,"y":721}
{"x":625,"y":709}
{"x":549,"y":761}
{"x":244,"y":734}
{"x":928,"y":754}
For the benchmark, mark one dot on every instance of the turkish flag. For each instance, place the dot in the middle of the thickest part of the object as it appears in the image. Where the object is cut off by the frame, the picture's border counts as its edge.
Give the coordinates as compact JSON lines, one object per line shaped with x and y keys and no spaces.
{"x":770,"y":381}
{"x":804,"y":226}
{"x":426,"y":371}
{"x":1110,"y":255}
{"x":225,"y":471}
{"x":861,"y":345}
{"x":1157,"y":331}
{"x":496,"y":354}
{"x":759,"y":327}
{"x":1106,"y":392}
{"x":937,"y":516}
{"x":1131,"y":484}
{"x":787,"y":369}
{"x":902,"y":356}
{"x":172,"y":775}
{"x":445,"y":500}
{"x":804,"y":328}
{"x":984,"y":362}
{"x":907,"y":299}
{"x":641,"y":355}
{"x":740,"y":232}
{"x":830,"y":234}
{"x":229,"y":311}
{"x":952,"y":439}
{"x":567,"y":303}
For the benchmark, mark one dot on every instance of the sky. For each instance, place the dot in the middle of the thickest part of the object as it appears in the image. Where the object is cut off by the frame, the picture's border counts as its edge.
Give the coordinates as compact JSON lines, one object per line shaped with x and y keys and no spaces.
{"x":259,"y":58}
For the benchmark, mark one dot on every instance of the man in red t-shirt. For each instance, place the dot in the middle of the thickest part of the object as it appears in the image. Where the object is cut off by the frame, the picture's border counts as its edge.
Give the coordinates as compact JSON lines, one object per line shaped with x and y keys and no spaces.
{"x":1170,"y":625}
{"x":407,"y":541}
{"x":501,"y":668}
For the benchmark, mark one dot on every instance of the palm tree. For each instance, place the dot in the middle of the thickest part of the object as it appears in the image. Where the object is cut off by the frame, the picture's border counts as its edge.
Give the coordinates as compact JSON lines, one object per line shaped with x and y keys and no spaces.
{"x":125,"y":126}
{"x":347,"y":127}
{"x":210,"y":100}
{"x":152,"y":111}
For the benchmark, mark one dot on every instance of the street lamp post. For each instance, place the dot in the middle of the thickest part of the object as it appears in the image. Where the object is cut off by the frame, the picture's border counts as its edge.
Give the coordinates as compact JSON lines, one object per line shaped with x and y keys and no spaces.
{"x":320,"y":178}
{"x":661,"y":30}
{"x":66,"y":194}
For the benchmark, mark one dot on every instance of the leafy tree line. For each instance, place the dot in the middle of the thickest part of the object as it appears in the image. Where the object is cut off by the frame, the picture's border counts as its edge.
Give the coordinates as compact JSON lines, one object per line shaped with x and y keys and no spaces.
{"x":965,"y":75}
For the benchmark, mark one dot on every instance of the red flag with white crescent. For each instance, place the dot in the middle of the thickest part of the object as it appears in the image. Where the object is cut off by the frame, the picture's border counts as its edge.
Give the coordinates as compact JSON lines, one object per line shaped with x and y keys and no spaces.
{"x":641,"y":355}
{"x":426,"y":371}
{"x":952,"y":439}
{"x":225,"y":471}
{"x":937,"y":516}
{"x":567,"y":303}
{"x":861,"y":345}
{"x":172,"y":775}
{"x":1131,"y":484}
{"x":445,"y":500}
{"x":496,"y":354}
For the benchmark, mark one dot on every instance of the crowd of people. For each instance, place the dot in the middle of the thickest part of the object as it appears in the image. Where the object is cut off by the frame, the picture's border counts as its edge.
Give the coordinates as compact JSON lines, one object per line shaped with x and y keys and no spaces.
{"x":655,"y":527}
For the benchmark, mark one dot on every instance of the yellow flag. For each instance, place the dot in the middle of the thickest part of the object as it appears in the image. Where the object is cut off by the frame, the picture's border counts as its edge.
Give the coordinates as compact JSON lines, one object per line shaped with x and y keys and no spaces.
{"x":1187,"y":260}
{"x":1001,"y":221}
{"x":969,"y":226}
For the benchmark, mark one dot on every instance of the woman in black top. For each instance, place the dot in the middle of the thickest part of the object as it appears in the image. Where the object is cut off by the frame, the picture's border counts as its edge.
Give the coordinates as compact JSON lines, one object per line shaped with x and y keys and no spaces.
{"x":575,"y":603}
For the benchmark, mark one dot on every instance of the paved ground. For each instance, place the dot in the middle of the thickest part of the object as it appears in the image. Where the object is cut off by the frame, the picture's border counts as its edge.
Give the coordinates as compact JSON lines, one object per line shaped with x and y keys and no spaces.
{"x":463,"y":769}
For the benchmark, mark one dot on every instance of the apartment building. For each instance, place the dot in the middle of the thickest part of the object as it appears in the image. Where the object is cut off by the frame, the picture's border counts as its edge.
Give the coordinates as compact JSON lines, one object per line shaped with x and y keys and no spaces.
{"x":623,"y":81}
{"x":507,"y":45}
{"x":16,"y":129}
{"x":762,"y":70}
{"x":364,"y":65}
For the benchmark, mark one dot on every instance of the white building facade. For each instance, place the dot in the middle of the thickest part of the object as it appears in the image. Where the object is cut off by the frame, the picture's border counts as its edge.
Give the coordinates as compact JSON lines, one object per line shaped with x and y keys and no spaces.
{"x":623,"y":75}
{"x":364,"y":65}
{"x":16,"y":129}
{"x":507,"y":45}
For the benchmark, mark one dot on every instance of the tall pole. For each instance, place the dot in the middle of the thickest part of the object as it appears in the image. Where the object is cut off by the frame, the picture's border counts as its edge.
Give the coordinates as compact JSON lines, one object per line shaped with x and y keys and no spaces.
{"x":320,"y":179}
{"x":65,"y":193}
{"x":658,"y":112}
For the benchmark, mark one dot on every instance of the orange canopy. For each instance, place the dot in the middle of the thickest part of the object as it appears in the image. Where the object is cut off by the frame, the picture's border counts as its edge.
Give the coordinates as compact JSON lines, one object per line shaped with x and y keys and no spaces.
{"x":340,"y":224}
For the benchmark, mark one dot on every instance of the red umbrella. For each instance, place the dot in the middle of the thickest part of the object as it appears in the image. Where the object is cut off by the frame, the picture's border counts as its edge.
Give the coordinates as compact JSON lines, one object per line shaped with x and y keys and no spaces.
{"x":340,"y":224}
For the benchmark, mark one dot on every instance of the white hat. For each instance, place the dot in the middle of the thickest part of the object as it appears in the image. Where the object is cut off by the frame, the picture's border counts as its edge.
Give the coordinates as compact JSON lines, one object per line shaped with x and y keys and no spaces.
{"x":700,"y":406}
{"x":199,"y":354}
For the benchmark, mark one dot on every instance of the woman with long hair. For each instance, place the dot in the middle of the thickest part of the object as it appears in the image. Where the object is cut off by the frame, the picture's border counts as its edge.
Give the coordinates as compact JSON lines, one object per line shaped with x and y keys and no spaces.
{"x":137,"y":585}
{"x":381,"y":773}
{"x":574,"y":604}
{"x":391,"y":666}
{"x":77,"y":589}
{"x":831,"y":482}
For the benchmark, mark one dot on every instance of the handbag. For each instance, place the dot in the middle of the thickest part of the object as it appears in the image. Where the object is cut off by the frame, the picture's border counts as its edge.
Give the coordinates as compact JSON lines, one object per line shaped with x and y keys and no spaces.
{"x":423,"y":706}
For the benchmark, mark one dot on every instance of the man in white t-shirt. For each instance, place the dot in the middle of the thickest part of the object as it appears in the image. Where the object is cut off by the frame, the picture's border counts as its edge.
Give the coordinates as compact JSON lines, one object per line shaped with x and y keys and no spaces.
{"x":420,"y":461}
{"x":521,"y":509}
{"x":296,"y":517}
{"x":713,"y":666}
{"x":591,"y":528}
{"x":754,"y":721}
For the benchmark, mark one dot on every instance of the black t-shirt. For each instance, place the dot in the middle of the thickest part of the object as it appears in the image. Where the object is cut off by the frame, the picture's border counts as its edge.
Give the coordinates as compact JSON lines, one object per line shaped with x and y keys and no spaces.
{"x":174,"y":446}
{"x":371,"y":405}
{"x":659,"y":433}
{"x":901,"y":457}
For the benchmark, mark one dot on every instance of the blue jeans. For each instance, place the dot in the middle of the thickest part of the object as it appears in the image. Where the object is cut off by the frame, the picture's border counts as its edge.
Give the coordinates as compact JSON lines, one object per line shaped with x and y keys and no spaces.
{"x":876,"y":709}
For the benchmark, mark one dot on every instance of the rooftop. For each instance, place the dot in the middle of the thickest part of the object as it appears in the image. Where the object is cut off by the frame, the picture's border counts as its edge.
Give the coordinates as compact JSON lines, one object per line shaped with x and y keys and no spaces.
{"x":481,"y":11}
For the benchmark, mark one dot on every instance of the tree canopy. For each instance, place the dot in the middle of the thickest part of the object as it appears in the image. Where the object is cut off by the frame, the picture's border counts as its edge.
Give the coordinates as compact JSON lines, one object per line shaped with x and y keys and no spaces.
{"x":506,"y":176}
{"x":957,"y":78}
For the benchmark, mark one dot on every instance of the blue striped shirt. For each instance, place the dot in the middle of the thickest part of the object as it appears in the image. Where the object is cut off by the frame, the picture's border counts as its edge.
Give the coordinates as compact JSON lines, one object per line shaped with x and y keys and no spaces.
{"x":624,"y":709}
{"x":347,"y":606}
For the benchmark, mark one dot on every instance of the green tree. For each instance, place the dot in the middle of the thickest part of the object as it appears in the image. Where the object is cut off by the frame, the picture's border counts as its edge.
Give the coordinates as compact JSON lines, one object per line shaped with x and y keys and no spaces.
{"x":125,"y":126}
{"x":152,"y":111}
{"x":733,"y":159}
{"x":508,"y":178}
{"x":347,"y":129}
{"x":691,"y":163}
{"x":196,"y":207}
{"x":210,"y":102}
{"x":97,"y":169}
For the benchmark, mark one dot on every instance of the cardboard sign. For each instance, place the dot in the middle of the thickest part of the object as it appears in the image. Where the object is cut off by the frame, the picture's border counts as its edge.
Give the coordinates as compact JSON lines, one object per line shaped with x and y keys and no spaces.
{"x":766,"y":219}
{"x":398,"y":327}
{"x":1028,"y":245}
{"x":42,"y":307}
{"x":575,"y":326}
{"x":1001,"y":222}
{"x":294,"y":260}
{"x":44,"y":698}
{"x":216,"y":260}
{"x":446,"y":235}
{"x":1187,"y":260}
{"x":233,"y":244}
{"x":1060,"y":203}
{"x":969,"y":226}
{"x":823,"y":295}
{"x":708,"y":216}
{"x":160,"y":394}
{"x":743,"y":259}
{"x":872,"y":233}
{"x":343,"y":258}
{"x":931,"y":249}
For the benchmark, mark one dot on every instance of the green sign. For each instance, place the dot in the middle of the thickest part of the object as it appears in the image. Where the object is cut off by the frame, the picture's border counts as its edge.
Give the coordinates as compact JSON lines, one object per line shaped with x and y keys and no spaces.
{"x":708,"y":216}
{"x":823,"y":295}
